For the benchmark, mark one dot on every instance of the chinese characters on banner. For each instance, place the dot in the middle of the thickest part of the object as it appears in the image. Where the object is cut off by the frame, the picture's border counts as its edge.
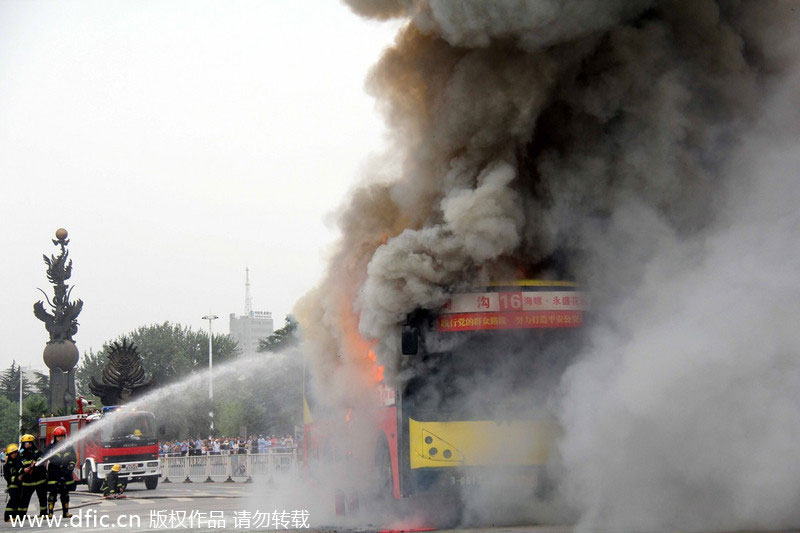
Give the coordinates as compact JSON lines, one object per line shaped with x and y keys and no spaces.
{"x":512,"y":310}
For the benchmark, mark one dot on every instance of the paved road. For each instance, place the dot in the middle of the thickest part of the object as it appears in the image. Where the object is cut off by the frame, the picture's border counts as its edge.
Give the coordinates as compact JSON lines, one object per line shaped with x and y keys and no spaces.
{"x":220,"y":506}
{"x":204,"y":507}
{"x":175,"y":506}
{"x":212,"y":507}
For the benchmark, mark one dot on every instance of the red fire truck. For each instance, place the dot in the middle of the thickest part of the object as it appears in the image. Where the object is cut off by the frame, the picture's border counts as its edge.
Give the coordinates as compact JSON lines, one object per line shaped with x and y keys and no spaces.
{"x":476,"y":404}
{"x":129,"y":439}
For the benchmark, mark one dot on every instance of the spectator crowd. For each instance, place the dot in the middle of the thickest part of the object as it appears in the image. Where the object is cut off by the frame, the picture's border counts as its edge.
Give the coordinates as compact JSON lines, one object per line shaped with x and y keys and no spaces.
{"x":229,"y":445}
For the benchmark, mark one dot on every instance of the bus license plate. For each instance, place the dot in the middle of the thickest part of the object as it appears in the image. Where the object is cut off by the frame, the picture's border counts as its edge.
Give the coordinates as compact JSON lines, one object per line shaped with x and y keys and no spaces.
{"x":465,"y":480}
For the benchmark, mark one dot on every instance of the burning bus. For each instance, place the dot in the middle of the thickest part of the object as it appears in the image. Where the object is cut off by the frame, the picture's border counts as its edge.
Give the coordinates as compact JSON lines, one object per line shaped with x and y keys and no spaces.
{"x":474,"y":402}
{"x":114,"y":435}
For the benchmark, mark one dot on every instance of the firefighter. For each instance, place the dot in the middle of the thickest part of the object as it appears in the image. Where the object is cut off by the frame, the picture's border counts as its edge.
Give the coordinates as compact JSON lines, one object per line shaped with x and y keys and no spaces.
{"x":34,"y":476}
{"x":59,"y":473}
{"x":113,"y":487}
{"x":11,"y":471}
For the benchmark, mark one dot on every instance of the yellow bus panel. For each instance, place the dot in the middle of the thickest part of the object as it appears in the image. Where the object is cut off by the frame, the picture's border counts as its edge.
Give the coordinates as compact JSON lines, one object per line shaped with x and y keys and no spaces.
{"x":480,"y":443}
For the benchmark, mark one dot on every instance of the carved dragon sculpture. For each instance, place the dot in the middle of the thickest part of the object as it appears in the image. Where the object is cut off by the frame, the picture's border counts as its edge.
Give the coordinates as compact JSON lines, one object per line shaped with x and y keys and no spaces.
{"x":62,"y":323}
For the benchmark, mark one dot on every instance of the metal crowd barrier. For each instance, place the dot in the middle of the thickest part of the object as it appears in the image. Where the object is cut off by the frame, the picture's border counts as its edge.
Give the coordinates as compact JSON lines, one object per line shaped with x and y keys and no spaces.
{"x":229,"y":467}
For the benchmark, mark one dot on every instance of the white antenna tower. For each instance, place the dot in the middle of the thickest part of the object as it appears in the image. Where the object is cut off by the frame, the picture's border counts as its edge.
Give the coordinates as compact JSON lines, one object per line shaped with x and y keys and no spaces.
{"x":248,"y":302}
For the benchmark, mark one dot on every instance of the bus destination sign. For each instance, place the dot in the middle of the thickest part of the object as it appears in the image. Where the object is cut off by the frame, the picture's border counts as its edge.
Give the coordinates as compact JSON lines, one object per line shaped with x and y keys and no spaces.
{"x":512,"y":310}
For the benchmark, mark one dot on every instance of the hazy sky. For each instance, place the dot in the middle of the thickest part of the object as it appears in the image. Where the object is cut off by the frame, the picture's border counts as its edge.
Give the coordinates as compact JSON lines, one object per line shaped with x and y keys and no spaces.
{"x":178,"y":142}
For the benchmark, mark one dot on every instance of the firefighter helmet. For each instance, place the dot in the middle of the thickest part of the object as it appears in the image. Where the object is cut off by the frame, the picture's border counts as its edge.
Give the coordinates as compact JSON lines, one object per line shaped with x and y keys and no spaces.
{"x":11,"y":448}
{"x":137,"y":432}
{"x":117,"y":467}
{"x":60,"y":431}
{"x":27,"y":438}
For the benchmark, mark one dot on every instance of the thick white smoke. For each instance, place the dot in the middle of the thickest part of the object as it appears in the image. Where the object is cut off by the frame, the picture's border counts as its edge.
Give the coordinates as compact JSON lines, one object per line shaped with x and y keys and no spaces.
{"x":685,"y":412}
{"x":635,"y":146}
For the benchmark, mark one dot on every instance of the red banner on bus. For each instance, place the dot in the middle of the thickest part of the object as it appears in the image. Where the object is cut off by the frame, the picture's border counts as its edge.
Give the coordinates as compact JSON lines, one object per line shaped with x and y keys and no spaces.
{"x":512,"y":320}
{"x":483,"y":302}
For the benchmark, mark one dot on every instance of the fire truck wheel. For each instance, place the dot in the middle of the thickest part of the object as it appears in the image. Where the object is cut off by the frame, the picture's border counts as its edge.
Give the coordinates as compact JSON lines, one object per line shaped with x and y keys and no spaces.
{"x":92,"y":481}
{"x":151,"y":482}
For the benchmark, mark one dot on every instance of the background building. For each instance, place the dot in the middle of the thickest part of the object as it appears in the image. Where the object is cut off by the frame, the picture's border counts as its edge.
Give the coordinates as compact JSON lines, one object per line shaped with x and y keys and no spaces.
{"x":252,"y":326}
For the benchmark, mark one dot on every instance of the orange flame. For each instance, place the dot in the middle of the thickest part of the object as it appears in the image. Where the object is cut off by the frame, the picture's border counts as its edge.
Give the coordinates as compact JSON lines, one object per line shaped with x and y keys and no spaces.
{"x":378,"y":368}
{"x":358,"y":348}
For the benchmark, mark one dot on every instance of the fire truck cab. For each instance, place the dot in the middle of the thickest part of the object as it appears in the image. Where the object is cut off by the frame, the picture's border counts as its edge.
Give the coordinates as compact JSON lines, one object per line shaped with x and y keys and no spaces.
{"x":114,"y":435}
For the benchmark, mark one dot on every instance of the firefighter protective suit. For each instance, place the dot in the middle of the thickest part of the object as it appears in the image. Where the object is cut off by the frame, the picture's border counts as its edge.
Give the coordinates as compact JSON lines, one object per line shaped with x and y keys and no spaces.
{"x":34,"y":476}
{"x":12,"y":468}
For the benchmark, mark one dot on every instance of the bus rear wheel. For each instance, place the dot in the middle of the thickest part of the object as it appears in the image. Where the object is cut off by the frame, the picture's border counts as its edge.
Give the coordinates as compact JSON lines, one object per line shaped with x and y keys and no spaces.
{"x":382,"y":483}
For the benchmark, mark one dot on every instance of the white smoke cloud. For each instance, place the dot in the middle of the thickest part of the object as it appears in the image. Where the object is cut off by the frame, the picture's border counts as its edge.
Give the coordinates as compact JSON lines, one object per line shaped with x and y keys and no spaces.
{"x":487,"y":219}
{"x":616,"y":142}
{"x":686,"y":412}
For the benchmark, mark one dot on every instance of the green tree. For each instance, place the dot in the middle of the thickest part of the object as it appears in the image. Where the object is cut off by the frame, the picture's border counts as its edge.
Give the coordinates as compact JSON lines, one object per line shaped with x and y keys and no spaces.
{"x":9,"y":421}
{"x":273,"y":403}
{"x":264,"y":399}
{"x":42,"y":383}
{"x":169,"y":352}
{"x":232,"y":415}
{"x":282,"y":338}
{"x":33,"y":407}
{"x":9,"y":383}
{"x":91,"y":364}
{"x":184,"y":414}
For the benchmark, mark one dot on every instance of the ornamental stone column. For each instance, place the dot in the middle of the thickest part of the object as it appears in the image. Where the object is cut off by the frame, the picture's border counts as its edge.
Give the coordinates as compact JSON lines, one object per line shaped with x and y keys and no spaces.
{"x":61,"y":322}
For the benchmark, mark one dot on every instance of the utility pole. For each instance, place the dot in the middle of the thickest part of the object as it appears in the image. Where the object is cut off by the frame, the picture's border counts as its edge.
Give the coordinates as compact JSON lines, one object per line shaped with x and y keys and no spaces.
{"x":19,"y":436}
{"x":248,"y":301}
{"x":211,"y":317}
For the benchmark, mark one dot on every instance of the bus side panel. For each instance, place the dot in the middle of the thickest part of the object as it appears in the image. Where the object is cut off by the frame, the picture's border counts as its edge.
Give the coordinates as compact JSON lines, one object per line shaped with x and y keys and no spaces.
{"x":405,"y":488}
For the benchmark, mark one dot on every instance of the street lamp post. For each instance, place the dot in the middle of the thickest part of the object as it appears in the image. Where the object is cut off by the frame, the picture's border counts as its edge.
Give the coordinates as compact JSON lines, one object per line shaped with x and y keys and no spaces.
{"x":19,"y":438}
{"x":210,"y":317}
